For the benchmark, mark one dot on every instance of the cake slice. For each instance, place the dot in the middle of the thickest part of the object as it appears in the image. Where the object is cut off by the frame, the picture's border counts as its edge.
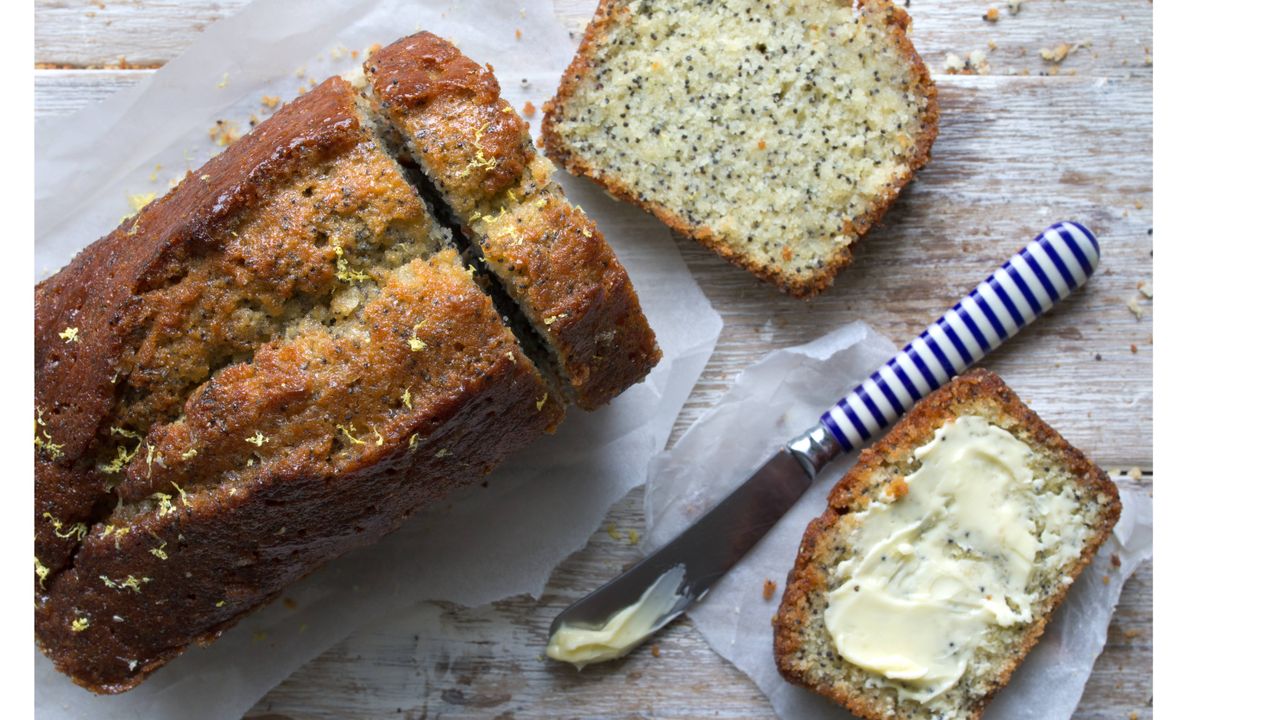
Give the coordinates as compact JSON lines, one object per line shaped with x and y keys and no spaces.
{"x":546,"y":255}
{"x":941,"y":556}
{"x":776,"y":134}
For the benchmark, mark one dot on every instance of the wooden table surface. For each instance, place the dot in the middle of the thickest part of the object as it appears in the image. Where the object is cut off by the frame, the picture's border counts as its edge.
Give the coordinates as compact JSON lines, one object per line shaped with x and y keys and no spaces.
{"x":1030,"y":142}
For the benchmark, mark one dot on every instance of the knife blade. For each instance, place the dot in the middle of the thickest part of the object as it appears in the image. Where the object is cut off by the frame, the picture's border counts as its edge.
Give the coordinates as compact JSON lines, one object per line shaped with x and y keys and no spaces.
{"x":1059,"y":260}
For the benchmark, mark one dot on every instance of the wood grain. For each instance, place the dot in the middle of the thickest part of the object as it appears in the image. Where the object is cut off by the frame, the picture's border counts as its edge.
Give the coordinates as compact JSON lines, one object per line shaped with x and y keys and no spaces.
{"x":1029,"y":144}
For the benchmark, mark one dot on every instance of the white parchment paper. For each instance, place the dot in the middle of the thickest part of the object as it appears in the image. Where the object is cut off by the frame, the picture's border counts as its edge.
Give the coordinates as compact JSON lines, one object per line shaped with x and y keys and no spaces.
{"x":486,"y":544}
{"x":770,"y":403}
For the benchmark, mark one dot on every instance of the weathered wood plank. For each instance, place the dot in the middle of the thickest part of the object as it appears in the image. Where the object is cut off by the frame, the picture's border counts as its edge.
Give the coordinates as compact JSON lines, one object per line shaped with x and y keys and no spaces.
{"x":1115,"y":34}
{"x":382,"y":671}
{"x":62,"y":92}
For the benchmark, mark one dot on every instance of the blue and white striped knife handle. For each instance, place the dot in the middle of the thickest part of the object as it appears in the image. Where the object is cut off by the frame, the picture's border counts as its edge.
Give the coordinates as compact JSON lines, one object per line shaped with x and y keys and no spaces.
{"x":1060,"y":260}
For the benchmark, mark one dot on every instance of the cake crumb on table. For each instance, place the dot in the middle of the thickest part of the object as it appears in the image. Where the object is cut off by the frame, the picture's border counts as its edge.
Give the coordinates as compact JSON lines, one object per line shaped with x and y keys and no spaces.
{"x":654,"y":651}
{"x":1057,"y":54}
{"x":770,"y":587}
{"x":991,"y":15}
{"x":529,"y":109}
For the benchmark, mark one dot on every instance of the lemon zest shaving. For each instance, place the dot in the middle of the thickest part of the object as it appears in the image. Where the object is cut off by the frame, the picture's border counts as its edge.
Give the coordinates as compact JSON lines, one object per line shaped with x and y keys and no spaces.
{"x":44,"y":441}
{"x":42,"y":571}
{"x":443,"y":452}
{"x":542,"y":402}
{"x":182,"y":494}
{"x":413,"y":441}
{"x":258,"y":439}
{"x":79,"y":529}
{"x":165,"y":503}
{"x":349,"y":433}
{"x":129,"y":583}
{"x":80,"y":624}
{"x":415,"y":344}
{"x":407,"y":399}
{"x":70,"y":335}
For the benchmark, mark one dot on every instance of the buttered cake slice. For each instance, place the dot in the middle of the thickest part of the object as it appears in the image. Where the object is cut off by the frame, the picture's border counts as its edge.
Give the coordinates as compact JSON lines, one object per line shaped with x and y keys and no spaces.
{"x":776,"y":134}
{"x":941,"y":557}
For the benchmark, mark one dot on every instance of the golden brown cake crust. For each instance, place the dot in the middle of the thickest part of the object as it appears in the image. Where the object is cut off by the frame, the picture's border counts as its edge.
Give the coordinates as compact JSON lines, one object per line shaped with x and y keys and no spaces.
{"x":609,"y":15}
{"x":98,"y":292}
{"x":457,"y":100}
{"x":322,"y":440}
{"x":554,"y":262}
{"x":807,"y":581}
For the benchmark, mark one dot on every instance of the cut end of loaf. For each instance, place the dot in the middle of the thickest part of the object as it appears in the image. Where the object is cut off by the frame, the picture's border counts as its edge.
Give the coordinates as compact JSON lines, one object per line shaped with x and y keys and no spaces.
{"x":545,"y":255}
{"x":800,"y":124}
{"x":803,"y":646}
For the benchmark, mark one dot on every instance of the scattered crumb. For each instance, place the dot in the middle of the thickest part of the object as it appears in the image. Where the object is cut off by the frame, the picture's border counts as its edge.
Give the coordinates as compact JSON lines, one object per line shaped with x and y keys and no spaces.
{"x":1134,"y":473}
{"x":1115,"y":560}
{"x":1133,"y":715}
{"x":519,"y":34}
{"x":290,"y":603}
{"x":1106,"y":579}
{"x":1135,"y":308}
{"x":155,"y":173}
{"x":270,"y":101}
{"x":991,"y":45}
{"x":224,"y":132}
{"x":613,"y":531}
{"x":1133,"y":348}
{"x":897,"y":488}
{"x":1130,"y":634}
{"x":770,"y":587}
{"x":1015,"y":7}
{"x":973,"y":64}
{"x":1144,"y":287}
{"x":654,"y":651}
{"x":992,"y":14}
{"x":529,"y":109}
{"x":226,"y":77}
{"x":300,"y":72}
{"x":1057,"y":54}
{"x":633,"y":537}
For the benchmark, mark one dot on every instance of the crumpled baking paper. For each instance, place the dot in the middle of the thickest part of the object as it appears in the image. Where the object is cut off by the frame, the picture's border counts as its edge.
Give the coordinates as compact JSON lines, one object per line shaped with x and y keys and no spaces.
{"x":485,"y":544}
{"x":775,"y":400}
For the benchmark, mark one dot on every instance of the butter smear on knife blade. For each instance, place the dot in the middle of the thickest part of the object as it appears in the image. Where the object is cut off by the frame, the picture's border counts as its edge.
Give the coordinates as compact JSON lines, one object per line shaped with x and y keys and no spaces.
{"x":584,"y":646}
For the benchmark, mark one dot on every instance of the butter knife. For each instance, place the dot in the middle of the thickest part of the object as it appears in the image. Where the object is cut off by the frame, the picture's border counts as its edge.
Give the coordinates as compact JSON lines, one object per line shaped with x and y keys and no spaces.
{"x":1059,"y":260}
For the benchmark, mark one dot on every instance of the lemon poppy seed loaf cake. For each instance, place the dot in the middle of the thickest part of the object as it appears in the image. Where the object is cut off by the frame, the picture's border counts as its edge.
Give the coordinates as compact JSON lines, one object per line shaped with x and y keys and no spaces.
{"x":941,"y":557}
{"x":549,"y":257}
{"x":776,"y":134}
{"x":281,"y":360}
